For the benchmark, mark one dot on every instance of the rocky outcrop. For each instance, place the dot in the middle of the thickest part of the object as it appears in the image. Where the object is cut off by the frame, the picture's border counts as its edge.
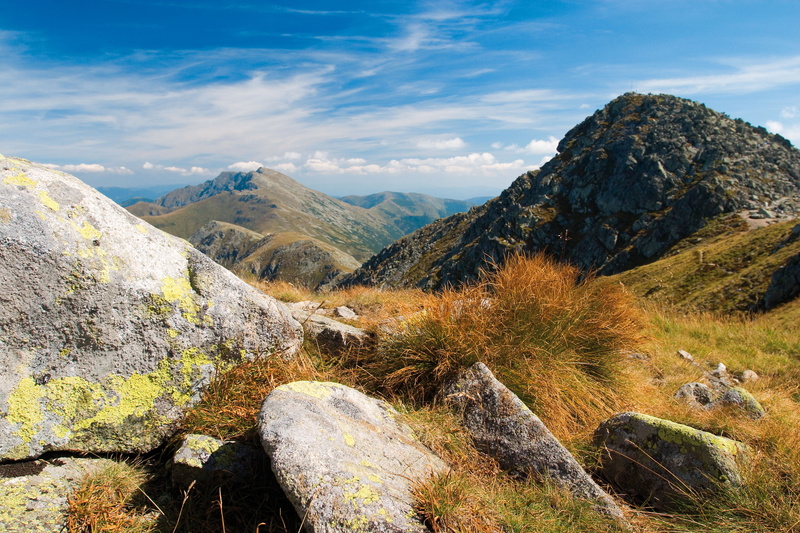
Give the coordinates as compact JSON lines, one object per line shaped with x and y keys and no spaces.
{"x":784,"y":285}
{"x":659,"y":461}
{"x":110,"y":328}
{"x":344,"y":460}
{"x":628,"y":183}
{"x":504,"y":428}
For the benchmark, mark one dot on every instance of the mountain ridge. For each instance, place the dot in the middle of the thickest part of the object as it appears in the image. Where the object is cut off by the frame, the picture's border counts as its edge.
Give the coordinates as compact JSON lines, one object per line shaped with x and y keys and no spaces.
{"x":628,"y":183}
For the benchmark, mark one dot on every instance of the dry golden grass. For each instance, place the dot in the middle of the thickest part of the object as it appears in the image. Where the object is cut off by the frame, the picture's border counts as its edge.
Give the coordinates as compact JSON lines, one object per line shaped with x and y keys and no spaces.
{"x":555,"y":341}
{"x":230,"y":406}
{"x":104,"y":502}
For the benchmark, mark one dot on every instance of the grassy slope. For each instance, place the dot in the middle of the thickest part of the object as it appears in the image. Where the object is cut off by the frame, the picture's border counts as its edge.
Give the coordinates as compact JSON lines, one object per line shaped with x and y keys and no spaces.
{"x":722,"y":268}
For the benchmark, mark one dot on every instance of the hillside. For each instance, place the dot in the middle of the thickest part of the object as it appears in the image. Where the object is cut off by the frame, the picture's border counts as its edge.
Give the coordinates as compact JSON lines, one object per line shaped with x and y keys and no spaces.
{"x":409,"y":211}
{"x":628,"y":184}
{"x":287,"y":256}
{"x":267,"y":201}
{"x":316,"y":237}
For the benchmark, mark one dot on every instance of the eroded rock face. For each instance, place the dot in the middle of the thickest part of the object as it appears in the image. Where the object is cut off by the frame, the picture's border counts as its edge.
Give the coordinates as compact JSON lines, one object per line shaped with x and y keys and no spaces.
{"x":109,"y":328}
{"x":503,"y":427}
{"x":658,"y":460}
{"x":343,"y":459}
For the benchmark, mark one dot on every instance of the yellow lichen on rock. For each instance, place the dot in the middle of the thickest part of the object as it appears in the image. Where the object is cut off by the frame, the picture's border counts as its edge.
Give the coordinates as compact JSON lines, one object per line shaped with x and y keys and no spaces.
{"x":20,"y":180}
{"x":320,"y":390}
{"x":179,"y":291}
{"x":24,"y":408}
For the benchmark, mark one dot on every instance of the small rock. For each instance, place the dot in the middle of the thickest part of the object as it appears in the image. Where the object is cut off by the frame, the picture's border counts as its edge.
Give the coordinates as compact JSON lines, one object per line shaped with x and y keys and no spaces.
{"x":739,"y":397}
{"x":203,"y":458}
{"x":748,"y":375}
{"x":658,"y":461}
{"x":336,"y":336}
{"x":345,"y":312}
{"x":503,"y":426}
{"x":696,"y":393}
{"x":686,"y":356}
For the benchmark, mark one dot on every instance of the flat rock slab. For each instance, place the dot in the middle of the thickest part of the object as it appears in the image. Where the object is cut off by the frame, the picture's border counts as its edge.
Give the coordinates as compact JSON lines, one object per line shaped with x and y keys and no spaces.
{"x":660,"y":461}
{"x":504,"y":428}
{"x":34,"y":495}
{"x":109,"y":328}
{"x":343,"y":459}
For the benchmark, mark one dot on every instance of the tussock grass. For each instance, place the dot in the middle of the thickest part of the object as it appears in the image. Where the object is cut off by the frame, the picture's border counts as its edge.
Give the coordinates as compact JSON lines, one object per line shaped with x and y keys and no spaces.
{"x":554,"y":340}
{"x":109,"y":500}
{"x":230,"y":406}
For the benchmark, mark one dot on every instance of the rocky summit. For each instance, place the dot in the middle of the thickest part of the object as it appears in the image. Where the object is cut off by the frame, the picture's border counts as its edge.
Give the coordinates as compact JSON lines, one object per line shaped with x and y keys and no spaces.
{"x":628,"y":183}
{"x":109,"y":328}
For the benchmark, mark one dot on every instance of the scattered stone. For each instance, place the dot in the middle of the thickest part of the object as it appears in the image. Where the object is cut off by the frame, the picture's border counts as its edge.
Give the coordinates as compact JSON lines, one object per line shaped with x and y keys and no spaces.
{"x":503,"y":427}
{"x":204,"y":459}
{"x":35,"y":494}
{"x":695,"y":393}
{"x":720,"y":379}
{"x":686,"y":356}
{"x":343,"y":459}
{"x":345,"y":312}
{"x":336,"y":336}
{"x":660,"y":461}
{"x":110,"y":328}
{"x":748,"y":375}
{"x":741,"y":398}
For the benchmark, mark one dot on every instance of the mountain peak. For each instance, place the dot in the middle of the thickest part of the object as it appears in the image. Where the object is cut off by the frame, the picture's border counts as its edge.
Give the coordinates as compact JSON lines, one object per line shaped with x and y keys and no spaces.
{"x":629,"y":182}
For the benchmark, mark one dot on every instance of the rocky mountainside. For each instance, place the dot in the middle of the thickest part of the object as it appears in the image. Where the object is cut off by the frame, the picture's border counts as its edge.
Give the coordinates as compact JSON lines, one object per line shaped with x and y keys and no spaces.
{"x":630,"y":182}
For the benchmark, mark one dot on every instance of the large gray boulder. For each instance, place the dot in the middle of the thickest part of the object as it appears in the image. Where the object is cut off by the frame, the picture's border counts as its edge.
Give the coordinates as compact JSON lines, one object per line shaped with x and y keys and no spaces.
{"x":503,"y":427}
{"x":343,"y":459}
{"x":660,"y":461}
{"x":109,"y":328}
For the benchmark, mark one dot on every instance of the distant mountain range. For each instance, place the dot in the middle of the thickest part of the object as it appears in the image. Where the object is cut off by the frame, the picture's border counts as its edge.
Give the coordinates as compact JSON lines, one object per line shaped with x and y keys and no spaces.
{"x":266,"y":225}
{"x":639,"y":179}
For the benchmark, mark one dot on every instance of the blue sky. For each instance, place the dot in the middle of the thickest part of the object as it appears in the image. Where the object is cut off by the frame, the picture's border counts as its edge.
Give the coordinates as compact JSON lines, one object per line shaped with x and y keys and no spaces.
{"x":452,"y":98}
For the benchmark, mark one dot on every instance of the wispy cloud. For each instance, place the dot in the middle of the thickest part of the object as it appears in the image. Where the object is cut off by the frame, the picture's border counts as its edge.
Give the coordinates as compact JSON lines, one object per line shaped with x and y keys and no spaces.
{"x":91,"y":168}
{"x":744,"y":76}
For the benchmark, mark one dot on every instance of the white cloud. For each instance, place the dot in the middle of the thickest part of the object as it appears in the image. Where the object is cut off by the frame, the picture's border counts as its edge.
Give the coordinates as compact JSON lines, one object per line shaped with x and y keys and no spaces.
{"x":774,"y":126}
{"x":245,"y":166}
{"x":442,"y":144}
{"x":790,"y":112}
{"x":90,"y":168}
{"x":286,"y":168}
{"x":178,"y":170}
{"x":537,"y":146}
{"x":484,"y":164}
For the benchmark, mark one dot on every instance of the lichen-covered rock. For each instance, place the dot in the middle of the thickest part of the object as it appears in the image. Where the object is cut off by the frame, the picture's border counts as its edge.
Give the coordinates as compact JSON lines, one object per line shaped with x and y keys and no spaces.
{"x":659,"y":461}
{"x":503,"y":427}
{"x":34,"y":495}
{"x":343,"y":459}
{"x":697,"y":394}
{"x":203,"y":459}
{"x":741,"y":398}
{"x":109,"y":328}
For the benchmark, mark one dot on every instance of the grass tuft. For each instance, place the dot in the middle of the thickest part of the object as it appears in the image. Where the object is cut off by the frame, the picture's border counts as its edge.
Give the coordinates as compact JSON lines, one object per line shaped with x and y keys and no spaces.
{"x":109,"y":501}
